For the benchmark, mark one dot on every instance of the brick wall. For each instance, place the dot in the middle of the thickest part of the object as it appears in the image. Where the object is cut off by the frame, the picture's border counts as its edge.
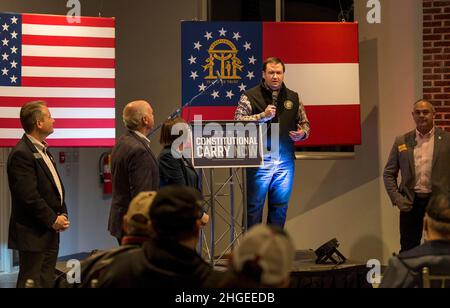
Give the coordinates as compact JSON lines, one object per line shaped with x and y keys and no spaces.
{"x":436,"y":58}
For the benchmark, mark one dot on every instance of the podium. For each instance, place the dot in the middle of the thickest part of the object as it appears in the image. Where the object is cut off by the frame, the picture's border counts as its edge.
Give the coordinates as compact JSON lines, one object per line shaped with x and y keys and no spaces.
{"x":225,"y":147}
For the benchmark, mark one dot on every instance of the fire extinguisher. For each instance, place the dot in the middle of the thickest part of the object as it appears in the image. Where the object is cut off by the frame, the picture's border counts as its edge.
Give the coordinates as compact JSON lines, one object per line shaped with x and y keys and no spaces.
{"x":105,"y":173}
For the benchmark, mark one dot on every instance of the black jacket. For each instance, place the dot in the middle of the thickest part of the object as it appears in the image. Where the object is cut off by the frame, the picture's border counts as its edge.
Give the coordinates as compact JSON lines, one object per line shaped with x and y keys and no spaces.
{"x":36,"y":202}
{"x":176,"y":171}
{"x":134,"y":170}
{"x":159,"y":264}
{"x":288,"y":103}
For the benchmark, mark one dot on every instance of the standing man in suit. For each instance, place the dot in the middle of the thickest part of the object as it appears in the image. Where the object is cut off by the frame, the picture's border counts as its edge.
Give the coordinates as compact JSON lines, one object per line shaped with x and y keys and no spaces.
{"x":38,"y":210}
{"x":423,"y":158}
{"x":134,"y":167}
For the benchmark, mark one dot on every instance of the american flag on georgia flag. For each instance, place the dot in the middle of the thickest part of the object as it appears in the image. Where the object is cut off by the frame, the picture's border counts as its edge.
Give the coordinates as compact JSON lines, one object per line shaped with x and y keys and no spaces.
{"x":322,"y":65}
{"x":71,"y":66}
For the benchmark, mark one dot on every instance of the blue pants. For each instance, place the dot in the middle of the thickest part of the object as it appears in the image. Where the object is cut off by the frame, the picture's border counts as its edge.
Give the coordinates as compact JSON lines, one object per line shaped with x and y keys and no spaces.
{"x":275,"y":179}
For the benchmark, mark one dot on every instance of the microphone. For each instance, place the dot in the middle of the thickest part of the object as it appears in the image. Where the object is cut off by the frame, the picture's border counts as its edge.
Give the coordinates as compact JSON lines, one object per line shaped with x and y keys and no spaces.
{"x":219,"y":77}
{"x":274,"y":97}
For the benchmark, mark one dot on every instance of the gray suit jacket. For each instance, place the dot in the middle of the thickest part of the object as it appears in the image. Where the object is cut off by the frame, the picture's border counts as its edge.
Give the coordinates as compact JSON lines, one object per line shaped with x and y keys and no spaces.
{"x":134,"y":169}
{"x":402,"y":158}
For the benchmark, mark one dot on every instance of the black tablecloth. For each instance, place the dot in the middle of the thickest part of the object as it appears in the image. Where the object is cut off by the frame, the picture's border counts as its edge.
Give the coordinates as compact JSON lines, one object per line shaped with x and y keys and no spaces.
{"x":348,"y":275}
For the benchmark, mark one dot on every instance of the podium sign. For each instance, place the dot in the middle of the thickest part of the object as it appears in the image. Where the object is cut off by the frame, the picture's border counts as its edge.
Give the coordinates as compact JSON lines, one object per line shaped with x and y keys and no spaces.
{"x":226,"y":144}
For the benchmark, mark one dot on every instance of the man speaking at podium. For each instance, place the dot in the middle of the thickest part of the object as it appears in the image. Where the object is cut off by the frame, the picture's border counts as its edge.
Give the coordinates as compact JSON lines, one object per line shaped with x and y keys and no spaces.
{"x":272,"y":102}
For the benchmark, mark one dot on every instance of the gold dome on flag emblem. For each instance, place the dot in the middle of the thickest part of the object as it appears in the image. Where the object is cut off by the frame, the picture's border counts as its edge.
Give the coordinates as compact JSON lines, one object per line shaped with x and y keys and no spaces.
{"x":229,"y":64}
{"x":288,"y":105}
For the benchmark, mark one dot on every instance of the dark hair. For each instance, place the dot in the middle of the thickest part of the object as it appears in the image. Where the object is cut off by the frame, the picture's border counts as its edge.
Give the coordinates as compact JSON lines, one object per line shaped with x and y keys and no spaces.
{"x":273,"y":60}
{"x":30,"y":113}
{"x":167,"y":138}
{"x":174,"y":212}
{"x":438,"y":210}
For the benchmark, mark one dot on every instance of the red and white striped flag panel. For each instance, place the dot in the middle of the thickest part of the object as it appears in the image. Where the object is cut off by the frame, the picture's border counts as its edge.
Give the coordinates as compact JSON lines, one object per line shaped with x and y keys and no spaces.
{"x":322,"y":65}
{"x":71,"y":66}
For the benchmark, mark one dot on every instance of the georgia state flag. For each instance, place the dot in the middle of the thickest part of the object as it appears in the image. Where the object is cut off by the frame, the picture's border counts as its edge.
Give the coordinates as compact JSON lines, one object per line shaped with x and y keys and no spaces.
{"x":322,"y":65}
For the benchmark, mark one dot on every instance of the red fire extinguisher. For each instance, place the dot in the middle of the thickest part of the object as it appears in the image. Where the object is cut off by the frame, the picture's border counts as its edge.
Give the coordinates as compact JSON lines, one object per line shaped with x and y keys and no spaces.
{"x":105,"y":173}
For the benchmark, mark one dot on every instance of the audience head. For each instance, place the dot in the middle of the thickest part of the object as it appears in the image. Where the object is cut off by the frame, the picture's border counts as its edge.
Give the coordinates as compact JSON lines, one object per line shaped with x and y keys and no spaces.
{"x":137,"y":220}
{"x":263,"y":257}
{"x":437,"y":218}
{"x":138,"y":116}
{"x":176,"y":213}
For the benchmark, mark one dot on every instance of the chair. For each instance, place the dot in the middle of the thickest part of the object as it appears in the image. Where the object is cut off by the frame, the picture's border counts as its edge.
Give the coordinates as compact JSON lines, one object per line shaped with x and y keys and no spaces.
{"x":434,"y":280}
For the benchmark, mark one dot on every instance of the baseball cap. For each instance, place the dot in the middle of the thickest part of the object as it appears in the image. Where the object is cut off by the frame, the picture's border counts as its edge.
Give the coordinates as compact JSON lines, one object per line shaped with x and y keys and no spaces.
{"x":137,"y":216}
{"x":175,"y":210}
{"x":271,"y":248}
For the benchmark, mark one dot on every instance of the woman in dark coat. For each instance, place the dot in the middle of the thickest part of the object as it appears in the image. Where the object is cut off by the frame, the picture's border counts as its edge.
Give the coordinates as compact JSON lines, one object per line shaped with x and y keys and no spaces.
{"x":174,"y":169}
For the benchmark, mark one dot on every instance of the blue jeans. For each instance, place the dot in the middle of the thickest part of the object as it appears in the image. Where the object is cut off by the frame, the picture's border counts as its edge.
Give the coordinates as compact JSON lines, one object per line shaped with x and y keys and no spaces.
{"x":274,"y":179}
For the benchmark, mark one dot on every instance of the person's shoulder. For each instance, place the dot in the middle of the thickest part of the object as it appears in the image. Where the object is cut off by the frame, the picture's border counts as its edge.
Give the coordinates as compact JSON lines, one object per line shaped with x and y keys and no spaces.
{"x":429,"y":248}
{"x":21,"y":145}
{"x":114,"y":268}
{"x":129,"y":143}
{"x":253,"y":91}
{"x":121,"y":142}
{"x":396,"y":275}
{"x":21,"y":149}
{"x":166,"y":153}
{"x":127,"y":138}
{"x":291,"y":92}
{"x":443,"y":133}
{"x":166,"y":157}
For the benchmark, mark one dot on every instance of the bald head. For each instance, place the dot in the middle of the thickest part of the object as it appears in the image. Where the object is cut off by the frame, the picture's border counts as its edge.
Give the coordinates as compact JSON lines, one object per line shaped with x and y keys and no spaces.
{"x":138,"y":115}
{"x":424,"y":102}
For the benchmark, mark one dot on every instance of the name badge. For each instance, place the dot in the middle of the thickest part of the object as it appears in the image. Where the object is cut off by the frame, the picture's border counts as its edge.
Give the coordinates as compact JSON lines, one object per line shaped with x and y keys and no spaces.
{"x":288,"y":105}
{"x":402,"y":148}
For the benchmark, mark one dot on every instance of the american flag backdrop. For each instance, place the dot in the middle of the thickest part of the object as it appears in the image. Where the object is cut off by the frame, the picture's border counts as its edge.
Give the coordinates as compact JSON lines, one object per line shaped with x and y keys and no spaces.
{"x":322,"y":65}
{"x":71,"y":66}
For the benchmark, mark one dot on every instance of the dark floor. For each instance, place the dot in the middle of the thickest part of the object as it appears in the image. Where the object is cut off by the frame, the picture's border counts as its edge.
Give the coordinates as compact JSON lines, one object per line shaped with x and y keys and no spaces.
{"x":9,"y":280}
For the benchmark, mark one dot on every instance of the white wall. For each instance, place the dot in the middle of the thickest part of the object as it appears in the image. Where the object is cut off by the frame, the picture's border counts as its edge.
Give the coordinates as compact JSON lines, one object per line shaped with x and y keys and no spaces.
{"x":346,"y":199}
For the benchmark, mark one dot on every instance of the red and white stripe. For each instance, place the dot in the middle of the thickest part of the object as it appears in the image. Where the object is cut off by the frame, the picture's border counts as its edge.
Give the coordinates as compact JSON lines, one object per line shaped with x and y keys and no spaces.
{"x":322,"y":65}
{"x":72,"y":68}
